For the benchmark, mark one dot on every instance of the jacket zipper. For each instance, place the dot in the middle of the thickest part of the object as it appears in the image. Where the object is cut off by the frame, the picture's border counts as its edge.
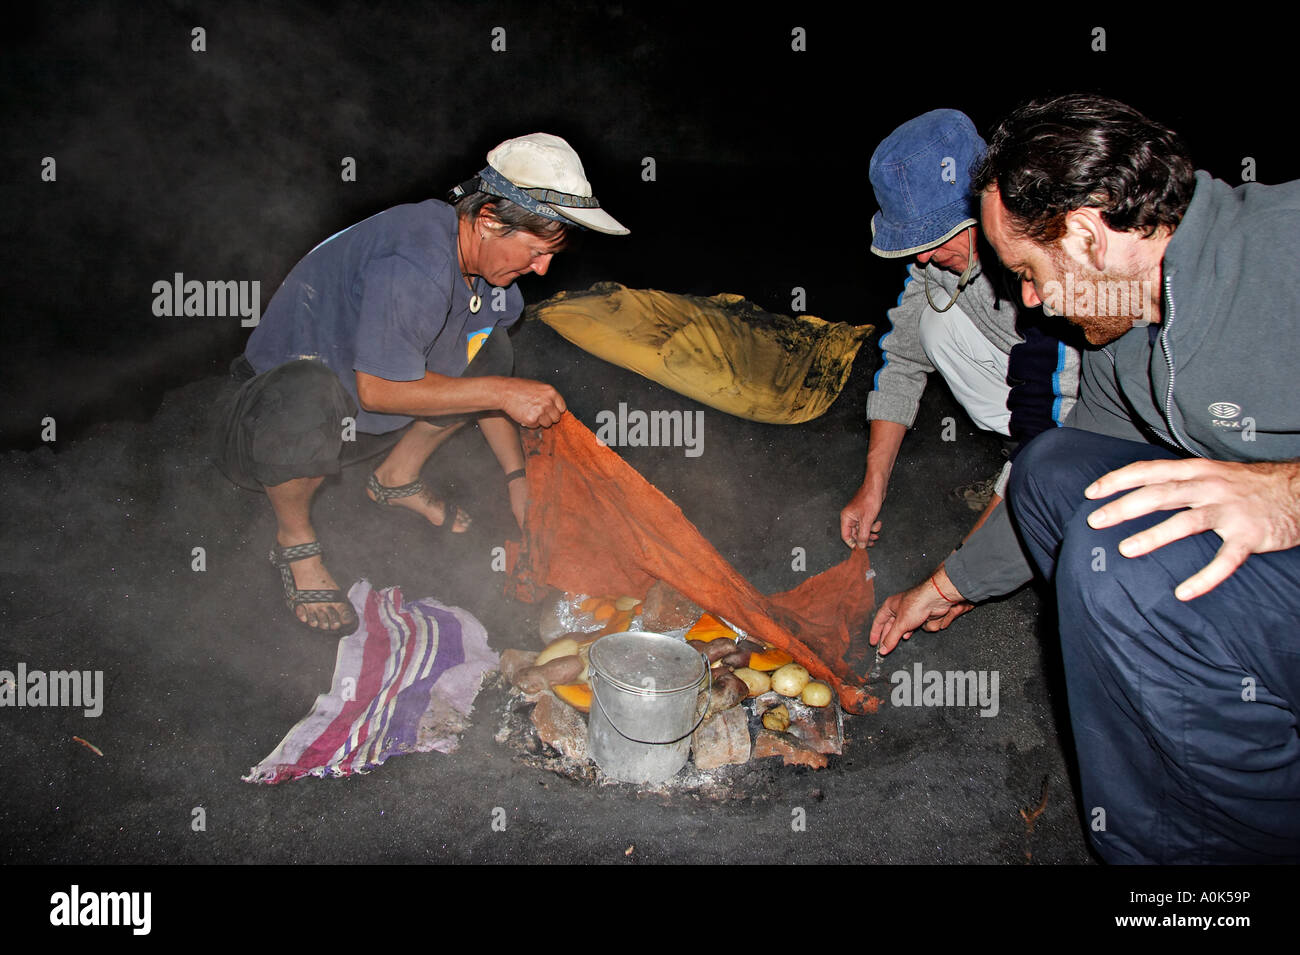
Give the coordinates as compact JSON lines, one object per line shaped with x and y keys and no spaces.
{"x":1169,"y":361}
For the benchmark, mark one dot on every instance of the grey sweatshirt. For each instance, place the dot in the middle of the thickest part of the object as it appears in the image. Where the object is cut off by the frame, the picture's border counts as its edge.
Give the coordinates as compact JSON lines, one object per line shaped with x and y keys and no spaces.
{"x":1219,"y":381}
{"x":901,"y":379}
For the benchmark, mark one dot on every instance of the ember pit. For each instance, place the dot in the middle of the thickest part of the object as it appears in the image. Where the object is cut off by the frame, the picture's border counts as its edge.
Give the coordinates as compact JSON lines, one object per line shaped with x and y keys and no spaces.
{"x":732,"y":752}
{"x":757,"y":778}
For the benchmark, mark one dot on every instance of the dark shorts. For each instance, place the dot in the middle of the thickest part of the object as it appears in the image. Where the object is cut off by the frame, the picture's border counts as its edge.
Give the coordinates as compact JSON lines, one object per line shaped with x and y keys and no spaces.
{"x":288,"y":422}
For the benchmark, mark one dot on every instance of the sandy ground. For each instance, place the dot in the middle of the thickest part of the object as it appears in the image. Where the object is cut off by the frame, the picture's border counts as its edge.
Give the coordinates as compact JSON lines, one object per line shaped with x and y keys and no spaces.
{"x":205,"y":671}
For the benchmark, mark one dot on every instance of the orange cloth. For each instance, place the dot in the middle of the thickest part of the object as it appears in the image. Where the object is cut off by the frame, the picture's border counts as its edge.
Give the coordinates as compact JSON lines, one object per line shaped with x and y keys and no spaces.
{"x":596,"y":526}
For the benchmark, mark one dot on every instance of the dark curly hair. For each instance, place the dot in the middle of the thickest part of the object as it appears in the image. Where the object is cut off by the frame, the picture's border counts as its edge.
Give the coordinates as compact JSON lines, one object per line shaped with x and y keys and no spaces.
{"x":1052,"y":156}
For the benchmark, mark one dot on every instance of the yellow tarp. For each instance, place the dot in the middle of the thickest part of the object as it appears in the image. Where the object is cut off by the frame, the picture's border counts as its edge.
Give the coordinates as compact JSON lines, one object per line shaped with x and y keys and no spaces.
{"x":723,"y":351}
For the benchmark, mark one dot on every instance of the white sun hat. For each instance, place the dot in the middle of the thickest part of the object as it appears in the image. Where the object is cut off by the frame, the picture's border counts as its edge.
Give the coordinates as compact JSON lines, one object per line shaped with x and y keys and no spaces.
{"x":544,"y":175}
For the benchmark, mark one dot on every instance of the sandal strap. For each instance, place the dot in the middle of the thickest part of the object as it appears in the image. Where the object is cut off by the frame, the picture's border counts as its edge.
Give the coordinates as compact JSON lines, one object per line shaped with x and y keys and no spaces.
{"x":318,"y":597}
{"x":281,"y":556}
{"x":385,"y":494}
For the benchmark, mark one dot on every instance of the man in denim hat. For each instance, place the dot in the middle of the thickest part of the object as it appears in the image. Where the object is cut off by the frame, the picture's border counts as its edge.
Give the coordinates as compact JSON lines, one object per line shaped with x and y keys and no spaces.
{"x":1012,"y":378}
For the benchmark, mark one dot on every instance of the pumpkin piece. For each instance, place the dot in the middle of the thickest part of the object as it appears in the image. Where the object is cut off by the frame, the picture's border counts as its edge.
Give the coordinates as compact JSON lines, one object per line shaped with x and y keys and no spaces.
{"x":769,"y":660}
{"x":577,"y":695}
{"x":590,"y":604}
{"x":709,"y":627}
{"x":604,"y":611}
{"x":620,"y":621}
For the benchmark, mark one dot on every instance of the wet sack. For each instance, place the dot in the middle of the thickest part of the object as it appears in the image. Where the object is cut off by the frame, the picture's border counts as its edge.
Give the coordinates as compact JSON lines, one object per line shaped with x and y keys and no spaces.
{"x":723,"y":351}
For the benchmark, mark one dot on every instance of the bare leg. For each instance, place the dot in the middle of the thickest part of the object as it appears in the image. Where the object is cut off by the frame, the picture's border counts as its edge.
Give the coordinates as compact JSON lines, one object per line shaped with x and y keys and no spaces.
{"x":291,"y":502}
{"x":502,"y":436}
{"x":404,"y":463}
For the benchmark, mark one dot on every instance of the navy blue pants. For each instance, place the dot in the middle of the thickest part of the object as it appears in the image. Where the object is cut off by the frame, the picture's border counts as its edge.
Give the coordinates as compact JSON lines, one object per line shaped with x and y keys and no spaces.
{"x":1184,"y":714}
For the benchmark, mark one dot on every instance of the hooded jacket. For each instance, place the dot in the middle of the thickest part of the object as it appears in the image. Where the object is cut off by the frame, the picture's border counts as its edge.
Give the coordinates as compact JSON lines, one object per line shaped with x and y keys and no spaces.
{"x":1215,"y":378}
{"x":901,"y":379}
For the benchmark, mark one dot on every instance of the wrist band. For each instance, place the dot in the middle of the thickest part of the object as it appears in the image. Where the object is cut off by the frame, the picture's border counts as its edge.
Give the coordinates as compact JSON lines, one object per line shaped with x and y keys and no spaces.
{"x":520,"y":472}
{"x":940,"y":592}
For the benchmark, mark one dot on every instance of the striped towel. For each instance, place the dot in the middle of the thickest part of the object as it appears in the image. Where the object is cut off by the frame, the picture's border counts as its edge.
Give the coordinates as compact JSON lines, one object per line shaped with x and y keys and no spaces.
{"x":404,"y":682}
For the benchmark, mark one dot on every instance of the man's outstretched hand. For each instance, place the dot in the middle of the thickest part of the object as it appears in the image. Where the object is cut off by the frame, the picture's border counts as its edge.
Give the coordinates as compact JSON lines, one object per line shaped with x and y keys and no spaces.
{"x":858,"y":525}
{"x":1254,"y":508}
{"x":922,"y":606}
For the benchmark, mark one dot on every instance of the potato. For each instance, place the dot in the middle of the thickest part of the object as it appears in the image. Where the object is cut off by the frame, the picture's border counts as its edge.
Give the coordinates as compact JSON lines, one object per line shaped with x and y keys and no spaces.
{"x":728,"y":690}
{"x":531,"y":681}
{"x":563,"y":647}
{"x":737,"y":658}
{"x":714,"y":650}
{"x":514,"y":662}
{"x":777,"y":719}
{"x":758,"y":683}
{"x":560,"y":670}
{"x":816,"y":694}
{"x":790,"y":679}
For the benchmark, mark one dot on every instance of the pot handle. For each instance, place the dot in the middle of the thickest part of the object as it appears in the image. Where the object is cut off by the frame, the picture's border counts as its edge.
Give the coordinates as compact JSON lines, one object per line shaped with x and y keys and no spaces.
{"x":595,"y":698}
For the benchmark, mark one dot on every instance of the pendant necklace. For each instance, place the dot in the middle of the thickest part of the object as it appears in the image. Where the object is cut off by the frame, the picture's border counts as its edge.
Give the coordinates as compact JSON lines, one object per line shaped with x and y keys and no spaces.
{"x":475,"y":302}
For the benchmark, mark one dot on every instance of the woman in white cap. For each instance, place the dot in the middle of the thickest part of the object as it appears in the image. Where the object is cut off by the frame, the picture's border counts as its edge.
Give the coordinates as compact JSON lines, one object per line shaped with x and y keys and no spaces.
{"x":390,"y":335}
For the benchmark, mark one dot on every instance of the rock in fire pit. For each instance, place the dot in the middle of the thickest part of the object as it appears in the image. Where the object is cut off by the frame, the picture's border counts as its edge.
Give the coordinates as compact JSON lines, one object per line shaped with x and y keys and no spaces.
{"x":545,"y":719}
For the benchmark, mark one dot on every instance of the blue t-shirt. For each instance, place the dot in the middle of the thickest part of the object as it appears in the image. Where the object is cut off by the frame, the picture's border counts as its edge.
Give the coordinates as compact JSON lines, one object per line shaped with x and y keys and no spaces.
{"x":385,"y":297}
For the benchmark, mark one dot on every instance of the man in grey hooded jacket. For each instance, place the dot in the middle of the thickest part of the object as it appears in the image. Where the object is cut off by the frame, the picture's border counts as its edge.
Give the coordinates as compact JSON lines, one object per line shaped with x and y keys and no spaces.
{"x":1180,"y":632}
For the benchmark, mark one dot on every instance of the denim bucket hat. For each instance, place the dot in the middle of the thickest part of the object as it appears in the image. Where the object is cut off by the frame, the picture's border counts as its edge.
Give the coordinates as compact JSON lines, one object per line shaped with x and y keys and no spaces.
{"x":920,"y":174}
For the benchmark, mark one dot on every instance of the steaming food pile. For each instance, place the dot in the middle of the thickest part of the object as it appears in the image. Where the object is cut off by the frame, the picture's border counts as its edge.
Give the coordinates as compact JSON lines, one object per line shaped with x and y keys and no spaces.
{"x":751,"y":682}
